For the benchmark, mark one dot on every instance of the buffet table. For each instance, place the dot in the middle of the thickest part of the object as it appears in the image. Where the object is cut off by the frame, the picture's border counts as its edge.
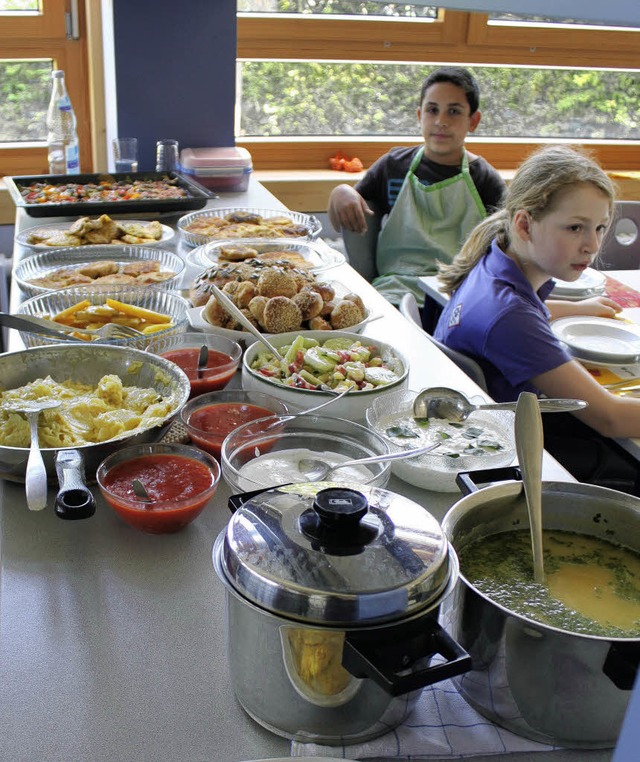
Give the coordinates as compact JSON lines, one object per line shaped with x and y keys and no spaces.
{"x":112,"y":641}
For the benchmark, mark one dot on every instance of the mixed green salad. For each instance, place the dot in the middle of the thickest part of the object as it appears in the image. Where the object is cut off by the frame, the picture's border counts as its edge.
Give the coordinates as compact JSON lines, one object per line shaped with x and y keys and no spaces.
{"x":338,"y":363}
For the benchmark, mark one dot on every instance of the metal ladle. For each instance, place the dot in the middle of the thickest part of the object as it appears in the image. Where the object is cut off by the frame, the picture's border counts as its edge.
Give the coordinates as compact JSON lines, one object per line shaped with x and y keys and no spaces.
{"x":452,"y":405}
{"x":529,"y":445}
{"x":317,"y":470}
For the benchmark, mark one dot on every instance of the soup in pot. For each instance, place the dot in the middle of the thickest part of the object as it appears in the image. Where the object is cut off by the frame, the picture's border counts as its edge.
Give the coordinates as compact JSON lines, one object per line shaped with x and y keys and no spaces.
{"x":592,"y":587}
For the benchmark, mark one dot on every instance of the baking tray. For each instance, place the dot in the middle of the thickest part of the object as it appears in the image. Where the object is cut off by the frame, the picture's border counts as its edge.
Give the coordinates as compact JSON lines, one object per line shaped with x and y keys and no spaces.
{"x":197,"y":195}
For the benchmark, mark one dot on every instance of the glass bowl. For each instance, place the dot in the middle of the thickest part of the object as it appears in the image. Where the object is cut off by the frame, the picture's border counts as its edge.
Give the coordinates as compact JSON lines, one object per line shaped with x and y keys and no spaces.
{"x":183,"y":349}
{"x":208,"y":418}
{"x":143,"y":297}
{"x":484,"y":440}
{"x":47,"y":263}
{"x":266,"y":452}
{"x":310,"y":226}
{"x":179,"y":480}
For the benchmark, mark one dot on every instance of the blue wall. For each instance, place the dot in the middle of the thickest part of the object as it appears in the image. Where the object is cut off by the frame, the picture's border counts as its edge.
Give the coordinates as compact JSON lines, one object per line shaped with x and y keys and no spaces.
{"x":175,"y":72}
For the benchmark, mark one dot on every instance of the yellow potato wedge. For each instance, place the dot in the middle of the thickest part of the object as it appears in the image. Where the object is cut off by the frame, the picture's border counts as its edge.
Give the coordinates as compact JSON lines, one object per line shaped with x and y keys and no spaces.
{"x":155,"y":328}
{"x":140,"y":312}
{"x":72,"y":310}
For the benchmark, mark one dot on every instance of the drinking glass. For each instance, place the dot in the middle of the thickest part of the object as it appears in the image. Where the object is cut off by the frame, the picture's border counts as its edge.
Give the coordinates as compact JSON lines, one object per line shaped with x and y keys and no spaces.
{"x":125,"y":154}
{"x":166,"y":155}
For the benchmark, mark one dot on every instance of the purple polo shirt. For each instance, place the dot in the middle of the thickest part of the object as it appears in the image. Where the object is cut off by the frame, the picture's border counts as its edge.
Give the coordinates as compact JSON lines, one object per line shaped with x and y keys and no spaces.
{"x":497,"y":318}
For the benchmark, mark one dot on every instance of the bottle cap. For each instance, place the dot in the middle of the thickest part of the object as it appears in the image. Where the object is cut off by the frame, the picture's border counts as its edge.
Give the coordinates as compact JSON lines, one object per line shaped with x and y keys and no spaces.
{"x":57,"y":74}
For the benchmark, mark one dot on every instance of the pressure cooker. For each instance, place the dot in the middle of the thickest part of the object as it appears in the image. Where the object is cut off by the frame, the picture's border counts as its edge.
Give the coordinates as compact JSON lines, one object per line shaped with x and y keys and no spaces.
{"x":332,"y":603}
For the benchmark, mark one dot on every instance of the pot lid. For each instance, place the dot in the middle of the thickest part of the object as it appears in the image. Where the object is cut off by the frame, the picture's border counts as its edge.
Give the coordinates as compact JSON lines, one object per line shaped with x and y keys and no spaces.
{"x":335,"y":555}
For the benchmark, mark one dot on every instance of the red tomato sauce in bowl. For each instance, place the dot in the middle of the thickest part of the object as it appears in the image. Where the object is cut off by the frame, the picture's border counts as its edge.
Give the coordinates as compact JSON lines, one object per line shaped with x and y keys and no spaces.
{"x":178,"y":485}
{"x":219,"y":370}
{"x":209,"y":425}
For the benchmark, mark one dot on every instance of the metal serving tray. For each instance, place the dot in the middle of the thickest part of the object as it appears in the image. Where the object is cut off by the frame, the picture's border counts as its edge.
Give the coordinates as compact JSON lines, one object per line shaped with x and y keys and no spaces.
{"x":197,"y":195}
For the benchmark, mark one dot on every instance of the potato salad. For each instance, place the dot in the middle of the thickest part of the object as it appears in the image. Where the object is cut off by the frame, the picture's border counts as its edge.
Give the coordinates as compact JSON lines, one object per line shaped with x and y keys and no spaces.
{"x":87,"y":414}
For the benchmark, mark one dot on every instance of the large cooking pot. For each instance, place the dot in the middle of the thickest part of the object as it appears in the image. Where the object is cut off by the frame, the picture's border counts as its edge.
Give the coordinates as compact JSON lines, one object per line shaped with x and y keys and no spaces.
{"x":332,"y":605}
{"x":541,"y":682}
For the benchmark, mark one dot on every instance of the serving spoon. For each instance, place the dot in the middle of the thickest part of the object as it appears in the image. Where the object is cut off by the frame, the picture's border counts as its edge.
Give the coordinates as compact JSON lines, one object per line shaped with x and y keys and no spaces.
{"x":317,"y":470}
{"x":243,"y":320}
{"x":36,"y":473}
{"x":203,"y":359}
{"x":529,"y":445}
{"x":442,"y":402}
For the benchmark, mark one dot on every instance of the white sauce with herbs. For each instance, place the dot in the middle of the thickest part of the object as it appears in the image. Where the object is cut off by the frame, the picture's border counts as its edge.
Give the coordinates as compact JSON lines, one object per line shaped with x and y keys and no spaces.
{"x":282,"y":467}
{"x":456,"y":439}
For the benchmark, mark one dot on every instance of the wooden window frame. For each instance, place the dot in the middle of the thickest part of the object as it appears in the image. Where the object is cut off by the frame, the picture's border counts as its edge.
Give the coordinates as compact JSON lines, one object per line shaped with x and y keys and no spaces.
{"x":454,"y":37}
{"x":44,"y":36}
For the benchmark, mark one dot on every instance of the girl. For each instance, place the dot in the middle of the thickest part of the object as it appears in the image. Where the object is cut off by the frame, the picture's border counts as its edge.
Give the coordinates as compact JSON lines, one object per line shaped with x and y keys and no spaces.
{"x":556,"y":212}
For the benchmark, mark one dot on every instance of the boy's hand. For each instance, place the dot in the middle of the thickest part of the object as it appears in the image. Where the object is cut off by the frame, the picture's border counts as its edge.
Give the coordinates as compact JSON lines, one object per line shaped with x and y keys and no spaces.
{"x":597,"y":306}
{"x":347,"y":209}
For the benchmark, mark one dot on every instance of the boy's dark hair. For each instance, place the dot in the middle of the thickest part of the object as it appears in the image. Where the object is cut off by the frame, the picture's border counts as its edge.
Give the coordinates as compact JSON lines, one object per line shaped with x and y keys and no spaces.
{"x":458,"y":76}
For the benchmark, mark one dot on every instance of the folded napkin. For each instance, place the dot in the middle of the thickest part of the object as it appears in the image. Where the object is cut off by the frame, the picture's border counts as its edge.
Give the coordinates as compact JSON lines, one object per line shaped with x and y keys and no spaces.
{"x":441,"y":725}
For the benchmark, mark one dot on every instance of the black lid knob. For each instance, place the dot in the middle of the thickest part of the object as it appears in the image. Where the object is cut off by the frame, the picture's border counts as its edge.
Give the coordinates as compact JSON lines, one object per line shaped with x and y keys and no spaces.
{"x":340,"y":506}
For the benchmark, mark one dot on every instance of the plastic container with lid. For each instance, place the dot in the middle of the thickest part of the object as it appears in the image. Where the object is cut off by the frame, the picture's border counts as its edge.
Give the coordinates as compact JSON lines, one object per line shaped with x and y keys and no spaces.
{"x":224,"y":168}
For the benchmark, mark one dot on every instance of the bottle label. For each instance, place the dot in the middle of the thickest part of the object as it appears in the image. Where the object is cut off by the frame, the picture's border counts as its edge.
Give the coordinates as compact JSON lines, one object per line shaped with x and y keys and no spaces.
{"x":64,"y":104}
{"x":72,"y":159}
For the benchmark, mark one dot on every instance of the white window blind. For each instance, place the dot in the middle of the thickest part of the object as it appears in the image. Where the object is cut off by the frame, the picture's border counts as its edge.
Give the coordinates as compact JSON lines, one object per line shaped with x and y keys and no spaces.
{"x":614,"y":12}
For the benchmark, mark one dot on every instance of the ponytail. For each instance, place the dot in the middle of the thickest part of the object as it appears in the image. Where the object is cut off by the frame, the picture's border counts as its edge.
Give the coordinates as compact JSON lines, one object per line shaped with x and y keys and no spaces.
{"x":474,"y":248}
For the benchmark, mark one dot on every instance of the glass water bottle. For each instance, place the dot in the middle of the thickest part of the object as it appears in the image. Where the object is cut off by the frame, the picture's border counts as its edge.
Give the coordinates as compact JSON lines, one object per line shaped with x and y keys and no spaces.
{"x":62,"y":138}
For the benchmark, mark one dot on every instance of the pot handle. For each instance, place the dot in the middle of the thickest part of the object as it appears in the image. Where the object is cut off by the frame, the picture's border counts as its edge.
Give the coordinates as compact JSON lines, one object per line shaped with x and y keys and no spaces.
{"x":621,"y":665}
{"x":468,"y":480}
{"x":394,"y":660}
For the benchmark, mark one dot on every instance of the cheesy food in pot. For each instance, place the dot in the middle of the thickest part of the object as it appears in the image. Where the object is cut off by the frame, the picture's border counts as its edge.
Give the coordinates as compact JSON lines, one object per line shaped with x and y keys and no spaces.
{"x":88,"y":414}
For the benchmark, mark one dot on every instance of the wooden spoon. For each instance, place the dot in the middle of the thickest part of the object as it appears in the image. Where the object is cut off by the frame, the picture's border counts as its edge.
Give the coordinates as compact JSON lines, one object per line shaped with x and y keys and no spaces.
{"x":529,"y":445}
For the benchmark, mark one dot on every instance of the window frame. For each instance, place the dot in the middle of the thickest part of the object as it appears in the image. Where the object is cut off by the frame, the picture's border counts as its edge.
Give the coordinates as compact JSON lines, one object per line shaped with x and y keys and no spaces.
{"x":455,"y":37}
{"x":44,"y":36}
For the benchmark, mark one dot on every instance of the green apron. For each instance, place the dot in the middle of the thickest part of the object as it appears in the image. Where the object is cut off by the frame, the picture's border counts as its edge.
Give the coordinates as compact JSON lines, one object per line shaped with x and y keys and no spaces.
{"x":427,"y":223}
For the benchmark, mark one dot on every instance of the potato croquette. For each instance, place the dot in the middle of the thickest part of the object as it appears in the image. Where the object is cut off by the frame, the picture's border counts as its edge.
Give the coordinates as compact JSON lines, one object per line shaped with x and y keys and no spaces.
{"x":213,"y":313}
{"x":358,"y":300}
{"x":319,"y":324}
{"x":281,"y":314}
{"x":256,"y":307}
{"x":345,"y":314}
{"x":325,"y":290}
{"x":276,"y":282}
{"x":309,"y":302}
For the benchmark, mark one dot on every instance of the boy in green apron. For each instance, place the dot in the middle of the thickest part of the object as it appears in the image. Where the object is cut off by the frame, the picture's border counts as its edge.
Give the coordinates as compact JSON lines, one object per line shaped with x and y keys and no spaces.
{"x":432,"y":195}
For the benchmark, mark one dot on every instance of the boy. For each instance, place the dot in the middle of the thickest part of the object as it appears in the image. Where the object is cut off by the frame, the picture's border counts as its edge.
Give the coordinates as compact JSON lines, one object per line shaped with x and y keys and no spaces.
{"x":432,"y":195}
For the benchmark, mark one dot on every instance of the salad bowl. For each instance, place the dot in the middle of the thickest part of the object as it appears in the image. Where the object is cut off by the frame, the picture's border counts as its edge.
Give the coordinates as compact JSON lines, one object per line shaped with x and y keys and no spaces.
{"x":327,"y":357}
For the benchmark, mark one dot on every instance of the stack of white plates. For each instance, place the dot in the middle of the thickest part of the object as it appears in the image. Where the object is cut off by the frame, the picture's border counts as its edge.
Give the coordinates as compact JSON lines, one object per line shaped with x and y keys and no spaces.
{"x":604,"y":341}
{"x":590,"y":283}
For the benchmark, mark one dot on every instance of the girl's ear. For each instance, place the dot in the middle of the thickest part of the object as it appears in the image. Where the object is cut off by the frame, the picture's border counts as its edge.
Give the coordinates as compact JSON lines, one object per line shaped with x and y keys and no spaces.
{"x":522,"y":224}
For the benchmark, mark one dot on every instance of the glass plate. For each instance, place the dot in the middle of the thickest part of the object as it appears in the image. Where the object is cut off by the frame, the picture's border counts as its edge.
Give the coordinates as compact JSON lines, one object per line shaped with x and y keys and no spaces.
{"x":317,"y":254}
{"x":62,"y":227}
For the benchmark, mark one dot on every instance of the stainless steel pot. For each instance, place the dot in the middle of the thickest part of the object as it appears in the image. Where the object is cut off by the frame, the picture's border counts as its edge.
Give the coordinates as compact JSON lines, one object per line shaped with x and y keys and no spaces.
{"x":333,"y":598}
{"x":538,"y":681}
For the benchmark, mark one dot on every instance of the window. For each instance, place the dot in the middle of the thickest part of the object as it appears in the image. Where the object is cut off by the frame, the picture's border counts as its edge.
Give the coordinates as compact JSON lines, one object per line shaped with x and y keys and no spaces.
{"x":314,"y":78}
{"x":33,"y":36}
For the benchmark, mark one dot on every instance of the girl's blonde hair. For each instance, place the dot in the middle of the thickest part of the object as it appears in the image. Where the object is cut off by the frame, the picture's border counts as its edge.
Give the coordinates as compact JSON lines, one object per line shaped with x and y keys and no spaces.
{"x":536,"y":187}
